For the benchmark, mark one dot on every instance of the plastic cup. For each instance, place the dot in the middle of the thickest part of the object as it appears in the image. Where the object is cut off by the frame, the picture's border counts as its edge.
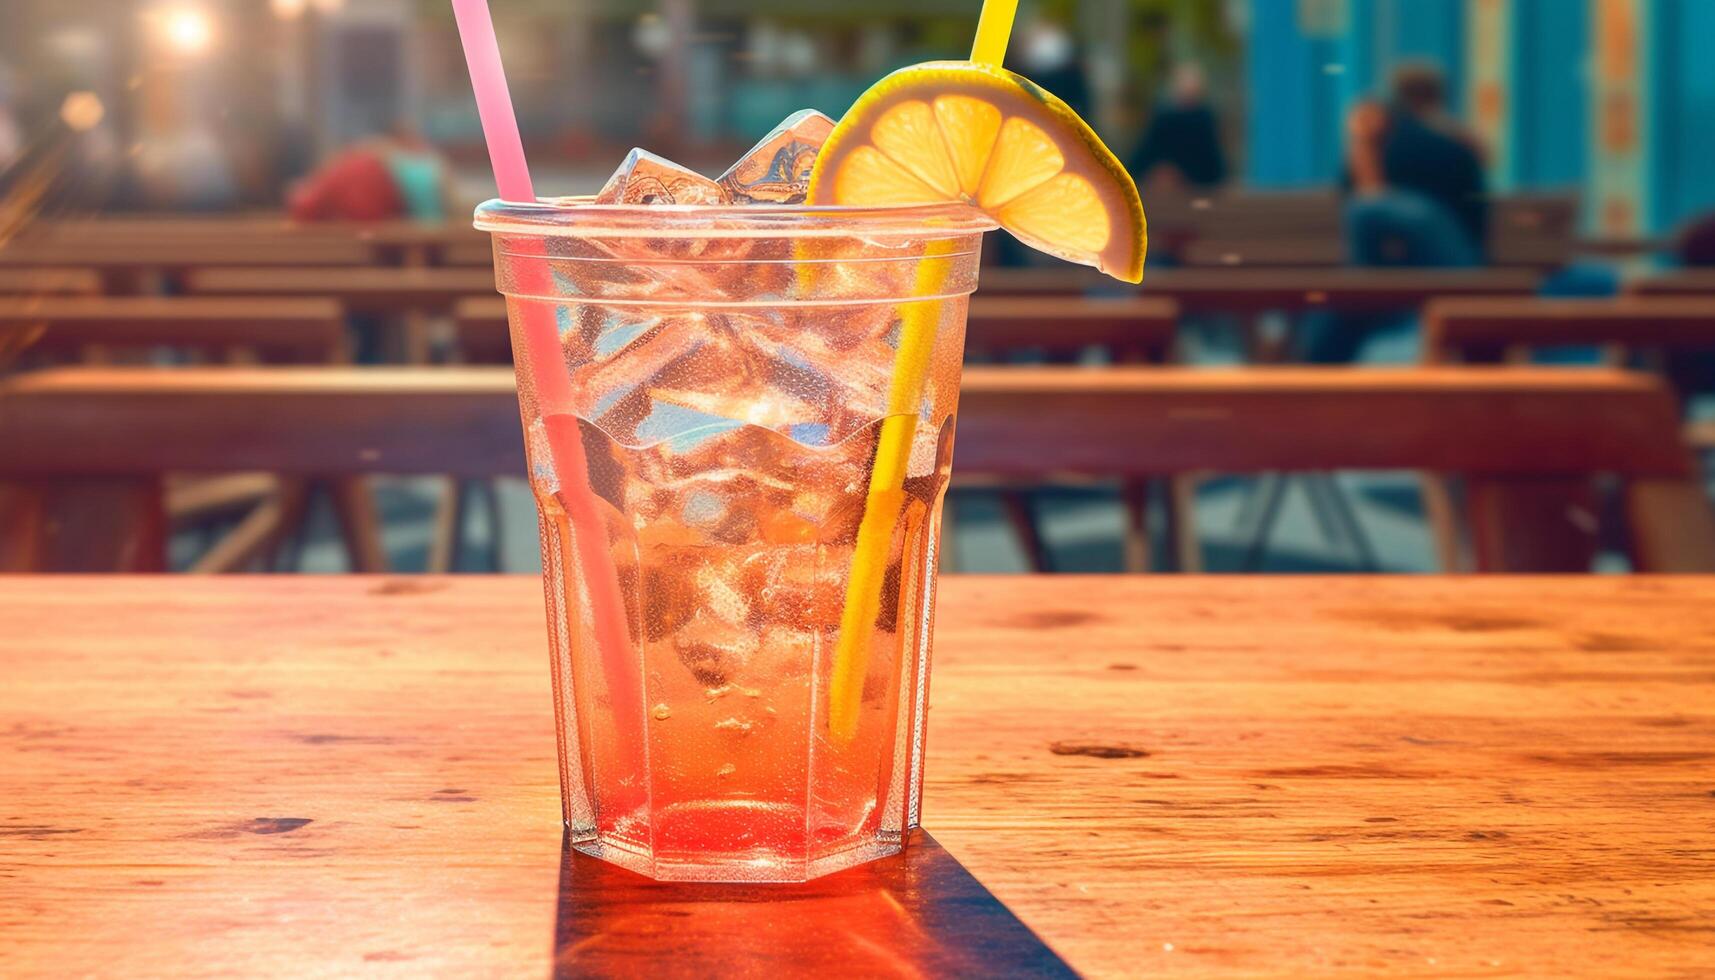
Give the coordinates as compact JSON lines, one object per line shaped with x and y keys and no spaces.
{"x":701,"y":454}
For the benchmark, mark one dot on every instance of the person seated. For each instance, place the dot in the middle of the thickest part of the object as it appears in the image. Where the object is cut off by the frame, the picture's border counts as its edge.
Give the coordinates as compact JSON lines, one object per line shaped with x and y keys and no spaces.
{"x":1415,"y":176}
{"x":1183,"y":138}
{"x":397,"y":176}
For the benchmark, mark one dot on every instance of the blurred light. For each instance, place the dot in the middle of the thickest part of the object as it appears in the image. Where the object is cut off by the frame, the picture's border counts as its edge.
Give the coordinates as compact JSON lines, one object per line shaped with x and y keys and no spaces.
{"x":652,"y":36}
{"x":75,"y":43}
{"x":328,"y":6}
{"x":288,"y":9}
{"x":187,"y":29}
{"x":82,"y":111}
{"x":798,"y":54}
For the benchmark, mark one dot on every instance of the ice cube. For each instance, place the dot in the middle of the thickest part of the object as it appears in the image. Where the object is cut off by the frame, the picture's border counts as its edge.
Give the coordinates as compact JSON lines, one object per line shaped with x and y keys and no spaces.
{"x":713,"y":649}
{"x":645,"y":178}
{"x":777,"y":169}
{"x":800,"y":586}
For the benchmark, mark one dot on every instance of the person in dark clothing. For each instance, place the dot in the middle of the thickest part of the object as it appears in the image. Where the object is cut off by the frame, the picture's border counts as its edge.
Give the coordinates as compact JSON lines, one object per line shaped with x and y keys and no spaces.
{"x":1183,"y":135}
{"x":1416,"y":198}
{"x":1695,"y":244}
{"x":1412,"y":146}
{"x":1047,"y":54}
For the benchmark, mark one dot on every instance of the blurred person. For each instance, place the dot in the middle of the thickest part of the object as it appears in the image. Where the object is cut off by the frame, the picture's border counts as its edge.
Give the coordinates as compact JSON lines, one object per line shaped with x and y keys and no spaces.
{"x":1418,"y":192}
{"x":398,"y":175}
{"x":1047,"y":55}
{"x":1183,"y":135}
{"x":1695,"y":243}
{"x":1416,"y":197}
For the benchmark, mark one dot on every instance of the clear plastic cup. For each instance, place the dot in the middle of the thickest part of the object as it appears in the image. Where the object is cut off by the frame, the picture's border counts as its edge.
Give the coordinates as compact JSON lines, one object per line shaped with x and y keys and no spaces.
{"x":702,"y":390}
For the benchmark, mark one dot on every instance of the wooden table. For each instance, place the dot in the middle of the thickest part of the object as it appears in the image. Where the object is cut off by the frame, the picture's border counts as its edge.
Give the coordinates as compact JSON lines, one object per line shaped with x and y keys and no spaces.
{"x":1306,"y":776}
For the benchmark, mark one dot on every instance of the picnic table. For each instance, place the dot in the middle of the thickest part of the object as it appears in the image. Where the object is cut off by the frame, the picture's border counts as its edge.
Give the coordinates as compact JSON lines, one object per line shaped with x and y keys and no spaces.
{"x":1257,"y":776}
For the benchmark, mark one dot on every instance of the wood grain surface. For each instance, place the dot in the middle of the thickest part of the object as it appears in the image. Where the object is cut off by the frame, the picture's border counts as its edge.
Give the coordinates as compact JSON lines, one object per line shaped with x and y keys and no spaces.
{"x":1253,"y":290}
{"x":1198,"y":777}
{"x":1133,"y":329}
{"x":364,"y":290}
{"x":302,"y":328}
{"x":185,"y":254}
{"x":1485,"y":329}
{"x":50,"y":282}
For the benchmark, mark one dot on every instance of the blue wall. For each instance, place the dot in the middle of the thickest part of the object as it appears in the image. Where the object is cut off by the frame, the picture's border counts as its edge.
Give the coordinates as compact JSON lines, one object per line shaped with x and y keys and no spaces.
{"x":1682,"y":175}
{"x":1550,"y":92}
{"x":1300,"y":85}
{"x":1292,"y":124}
{"x":1383,"y":33}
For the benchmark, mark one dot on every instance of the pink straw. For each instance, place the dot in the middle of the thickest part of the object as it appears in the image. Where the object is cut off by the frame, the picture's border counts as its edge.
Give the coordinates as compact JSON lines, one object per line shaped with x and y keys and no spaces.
{"x":493,"y":101}
{"x":541,"y":337}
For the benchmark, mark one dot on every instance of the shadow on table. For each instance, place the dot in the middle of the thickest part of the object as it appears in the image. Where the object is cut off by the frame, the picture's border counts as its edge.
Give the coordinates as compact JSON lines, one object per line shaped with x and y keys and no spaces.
{"x":917,"y":915}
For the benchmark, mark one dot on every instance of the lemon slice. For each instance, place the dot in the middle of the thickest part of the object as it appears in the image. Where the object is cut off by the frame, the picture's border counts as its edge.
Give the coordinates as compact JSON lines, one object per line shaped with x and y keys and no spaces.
{"x":958,"y":131}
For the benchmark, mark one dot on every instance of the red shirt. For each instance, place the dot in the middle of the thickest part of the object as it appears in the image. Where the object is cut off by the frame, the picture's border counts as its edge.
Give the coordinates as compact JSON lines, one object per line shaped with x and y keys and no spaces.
{"x":354,"y":186}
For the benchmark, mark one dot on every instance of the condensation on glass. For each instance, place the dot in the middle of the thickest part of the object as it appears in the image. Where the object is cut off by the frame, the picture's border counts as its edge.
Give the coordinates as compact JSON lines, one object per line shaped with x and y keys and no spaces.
{"x":700,"y":449}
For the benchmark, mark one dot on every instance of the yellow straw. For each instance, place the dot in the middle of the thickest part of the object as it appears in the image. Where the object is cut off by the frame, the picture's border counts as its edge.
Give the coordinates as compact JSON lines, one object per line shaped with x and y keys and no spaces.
{"x":994,"y":26}
{"x":886,"y":496}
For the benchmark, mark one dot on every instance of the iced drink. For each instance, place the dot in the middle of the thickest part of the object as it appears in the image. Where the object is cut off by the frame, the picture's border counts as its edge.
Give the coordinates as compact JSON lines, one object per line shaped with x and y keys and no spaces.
{"x":701,"y":480}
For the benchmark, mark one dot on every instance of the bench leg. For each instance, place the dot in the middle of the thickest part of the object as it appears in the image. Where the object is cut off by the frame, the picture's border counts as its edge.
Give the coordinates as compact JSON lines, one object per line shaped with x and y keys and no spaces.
{"x":83,"y":525}
{"x":1134,"y":499}
{"x":496,"y":540}
{"x":1443,"y":519}
{"x":359,"y":526}
{"x":1672,"y":527}
{"x":1016,"y":504}
{"x":1532,"y":524}
{"x":448,"y":541}
{"x":1338,"y":520}
{"x":259,"y":531}
{"x":1269,"y":495}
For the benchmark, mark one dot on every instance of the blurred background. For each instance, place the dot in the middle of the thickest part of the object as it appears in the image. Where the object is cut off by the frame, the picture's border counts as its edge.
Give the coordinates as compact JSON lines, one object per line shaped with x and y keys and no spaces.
{"x":1597,"y":96}
{"x":1564,"y":139}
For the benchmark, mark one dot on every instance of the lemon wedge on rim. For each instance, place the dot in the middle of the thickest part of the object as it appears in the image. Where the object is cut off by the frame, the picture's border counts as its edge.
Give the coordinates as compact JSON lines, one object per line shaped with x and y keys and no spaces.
{"x":959,"y":131}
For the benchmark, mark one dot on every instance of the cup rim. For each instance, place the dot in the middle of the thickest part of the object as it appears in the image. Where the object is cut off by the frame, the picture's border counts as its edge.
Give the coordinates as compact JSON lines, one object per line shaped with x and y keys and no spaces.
{"x":580,"y":216}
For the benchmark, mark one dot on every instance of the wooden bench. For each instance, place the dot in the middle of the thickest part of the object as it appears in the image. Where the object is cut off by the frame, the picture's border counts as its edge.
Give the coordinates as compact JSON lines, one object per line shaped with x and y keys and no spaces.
{"x":382,"y":291}
{"x":49,"y":282}
{"x":1487,"y":329}
{"x":1130,"y":329}
{"x":1679,"y":282}
{"x":88,"y":447}
{"x":1252,"y":291}
{"x":234,"y":330}
{"x":412,"y":295}
{"x":467,"y":254}
{"x":1346,"y":289}
{"x":1524,"y":441}
{"x":390,"y":242}
{"x":1133,"y":329}
{"x":291,"y":329}
{"x":140,"y":267}
{"x":1289,"y":252}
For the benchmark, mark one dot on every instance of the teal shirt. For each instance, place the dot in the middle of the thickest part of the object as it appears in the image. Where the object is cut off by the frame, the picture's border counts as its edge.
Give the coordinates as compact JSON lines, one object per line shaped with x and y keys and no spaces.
{"x":419,"y":177}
